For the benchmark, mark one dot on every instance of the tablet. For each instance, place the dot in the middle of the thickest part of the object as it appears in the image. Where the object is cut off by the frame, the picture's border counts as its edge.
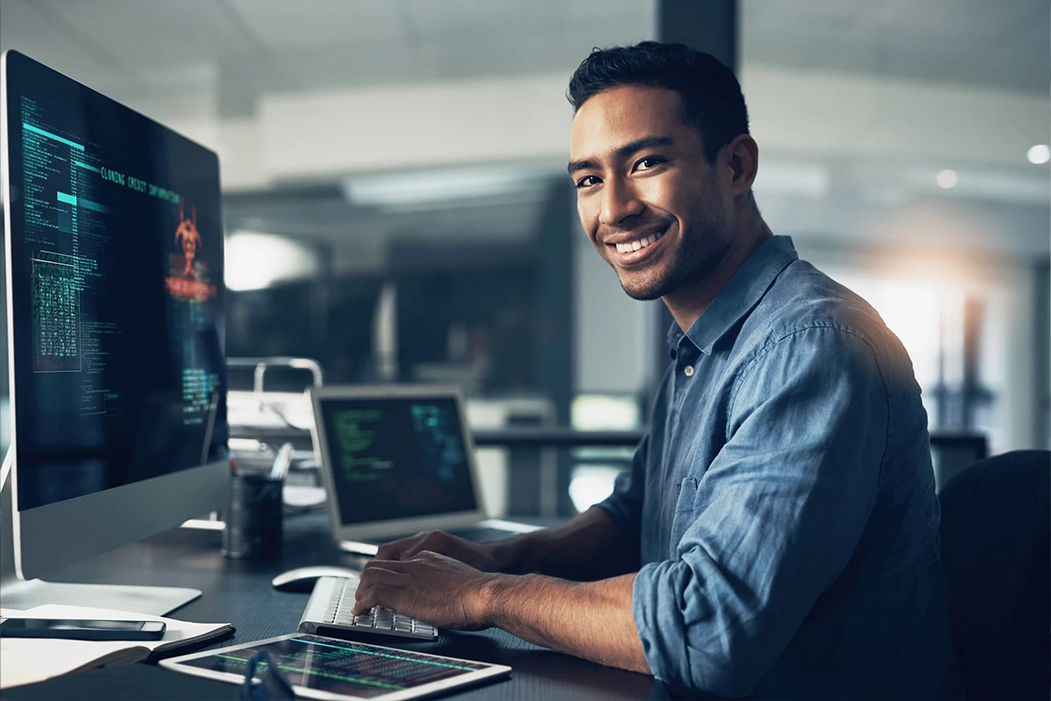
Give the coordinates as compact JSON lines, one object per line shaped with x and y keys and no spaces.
{"x":327,"y":668}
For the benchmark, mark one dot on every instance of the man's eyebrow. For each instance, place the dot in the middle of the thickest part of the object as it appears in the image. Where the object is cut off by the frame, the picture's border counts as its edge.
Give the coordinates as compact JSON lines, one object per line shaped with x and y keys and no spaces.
{"x":625,"y":151}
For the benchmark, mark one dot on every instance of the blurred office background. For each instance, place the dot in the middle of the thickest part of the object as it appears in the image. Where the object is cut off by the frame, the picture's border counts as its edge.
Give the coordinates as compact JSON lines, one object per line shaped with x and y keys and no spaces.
{"x":396,"y":204}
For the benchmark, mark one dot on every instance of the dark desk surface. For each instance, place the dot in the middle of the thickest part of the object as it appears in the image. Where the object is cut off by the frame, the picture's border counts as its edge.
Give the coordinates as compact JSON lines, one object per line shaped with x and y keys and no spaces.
{"x":240,"y":593}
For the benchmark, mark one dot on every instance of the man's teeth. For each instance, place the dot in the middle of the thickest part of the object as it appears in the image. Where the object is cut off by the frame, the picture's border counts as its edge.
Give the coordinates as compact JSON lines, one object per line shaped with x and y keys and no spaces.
{"x":636,"y":245}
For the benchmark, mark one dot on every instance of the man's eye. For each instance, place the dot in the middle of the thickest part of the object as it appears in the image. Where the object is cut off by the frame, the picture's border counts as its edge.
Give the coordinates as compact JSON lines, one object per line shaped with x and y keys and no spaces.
{"x":586,"y":181}
{"x":649,"y":162}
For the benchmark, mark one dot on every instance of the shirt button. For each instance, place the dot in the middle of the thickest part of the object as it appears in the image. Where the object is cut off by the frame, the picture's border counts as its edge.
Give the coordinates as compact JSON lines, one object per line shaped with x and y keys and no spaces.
{"x":688,"y":370}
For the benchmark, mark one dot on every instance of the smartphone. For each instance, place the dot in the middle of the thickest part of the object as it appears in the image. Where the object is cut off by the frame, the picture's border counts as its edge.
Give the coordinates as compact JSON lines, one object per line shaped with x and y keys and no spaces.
{"x":81,"y":629}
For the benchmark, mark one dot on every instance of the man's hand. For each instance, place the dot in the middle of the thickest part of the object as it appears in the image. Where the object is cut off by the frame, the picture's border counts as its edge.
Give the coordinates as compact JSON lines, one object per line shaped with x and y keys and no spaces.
{"x":488,"y":557}
{"x":590,"y":619}
{"x":449,"y":582}
{"x":430,"y":587}
{"x":587,"y":547}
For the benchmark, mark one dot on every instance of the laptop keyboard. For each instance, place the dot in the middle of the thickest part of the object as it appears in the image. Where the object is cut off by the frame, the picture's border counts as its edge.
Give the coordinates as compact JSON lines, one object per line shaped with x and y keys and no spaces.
{"x":474,"y":534}
{"x":329,"y":613}
{"x":478,"y":535}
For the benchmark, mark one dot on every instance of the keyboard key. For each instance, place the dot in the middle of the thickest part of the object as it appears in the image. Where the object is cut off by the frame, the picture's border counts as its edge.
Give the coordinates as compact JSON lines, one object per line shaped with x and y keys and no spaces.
{"x":378,"y":620}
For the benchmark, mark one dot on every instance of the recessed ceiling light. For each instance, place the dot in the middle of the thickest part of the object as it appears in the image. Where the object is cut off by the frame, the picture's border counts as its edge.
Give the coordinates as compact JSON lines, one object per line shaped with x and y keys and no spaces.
{"x":947,"y":179}
{"x":1039,"y":154}
{"x":258,"y":260}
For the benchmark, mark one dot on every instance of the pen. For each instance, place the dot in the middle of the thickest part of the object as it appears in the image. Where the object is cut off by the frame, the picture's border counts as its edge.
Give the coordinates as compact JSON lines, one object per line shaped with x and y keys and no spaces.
{"x":281,"y":462}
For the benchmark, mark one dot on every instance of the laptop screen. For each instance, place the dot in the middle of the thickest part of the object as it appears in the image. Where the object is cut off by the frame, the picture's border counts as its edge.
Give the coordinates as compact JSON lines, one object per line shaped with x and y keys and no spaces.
{"x":395,"y":458}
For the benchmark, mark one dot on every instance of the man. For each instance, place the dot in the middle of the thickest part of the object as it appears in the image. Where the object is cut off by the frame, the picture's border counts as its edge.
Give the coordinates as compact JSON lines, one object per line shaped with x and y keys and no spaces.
{"x":777,"y":534}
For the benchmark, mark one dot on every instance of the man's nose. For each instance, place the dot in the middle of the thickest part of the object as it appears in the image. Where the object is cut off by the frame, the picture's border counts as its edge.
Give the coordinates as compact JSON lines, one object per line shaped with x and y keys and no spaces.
{"x":619,"y":201}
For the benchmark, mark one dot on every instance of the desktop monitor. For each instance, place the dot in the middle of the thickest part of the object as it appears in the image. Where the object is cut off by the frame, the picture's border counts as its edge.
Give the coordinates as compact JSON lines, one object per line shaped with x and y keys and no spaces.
{"x":114,"y":262}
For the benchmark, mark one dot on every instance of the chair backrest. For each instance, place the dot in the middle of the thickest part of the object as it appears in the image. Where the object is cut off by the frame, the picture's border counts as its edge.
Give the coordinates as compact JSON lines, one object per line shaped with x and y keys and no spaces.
{"x":995,"y":549}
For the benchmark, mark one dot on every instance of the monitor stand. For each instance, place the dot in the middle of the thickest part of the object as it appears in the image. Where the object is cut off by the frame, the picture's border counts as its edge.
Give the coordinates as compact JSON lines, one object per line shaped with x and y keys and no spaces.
{"x":22,"y":594}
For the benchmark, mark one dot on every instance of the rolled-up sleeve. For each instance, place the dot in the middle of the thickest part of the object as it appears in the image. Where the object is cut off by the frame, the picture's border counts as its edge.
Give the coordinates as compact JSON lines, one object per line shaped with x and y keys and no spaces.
{"x":624,"y":505}
{"x":776,"y":516}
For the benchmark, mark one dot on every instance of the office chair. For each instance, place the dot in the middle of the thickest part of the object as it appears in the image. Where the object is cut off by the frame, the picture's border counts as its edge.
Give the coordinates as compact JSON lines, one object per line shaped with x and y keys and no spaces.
{"x":995,"y":549}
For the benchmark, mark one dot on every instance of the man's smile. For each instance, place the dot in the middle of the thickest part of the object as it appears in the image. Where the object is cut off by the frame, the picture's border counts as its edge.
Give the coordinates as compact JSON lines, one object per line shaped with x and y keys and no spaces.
{"x":627,"y":252}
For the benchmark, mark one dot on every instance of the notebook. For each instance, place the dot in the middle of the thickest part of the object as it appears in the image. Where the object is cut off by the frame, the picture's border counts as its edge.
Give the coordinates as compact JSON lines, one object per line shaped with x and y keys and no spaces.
{"x":29,"y":660}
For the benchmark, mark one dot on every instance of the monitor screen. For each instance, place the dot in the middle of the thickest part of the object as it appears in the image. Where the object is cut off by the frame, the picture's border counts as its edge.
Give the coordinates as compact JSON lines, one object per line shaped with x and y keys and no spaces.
{"x":395,"y":458}
{"x":116,"y":278}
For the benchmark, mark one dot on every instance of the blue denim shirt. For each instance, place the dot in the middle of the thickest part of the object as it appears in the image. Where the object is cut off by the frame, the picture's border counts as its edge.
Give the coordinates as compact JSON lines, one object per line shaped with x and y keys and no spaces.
{"x":784,"y":501}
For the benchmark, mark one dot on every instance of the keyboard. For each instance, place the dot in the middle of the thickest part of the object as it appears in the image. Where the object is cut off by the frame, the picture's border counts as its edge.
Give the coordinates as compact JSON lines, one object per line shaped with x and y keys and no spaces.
{"x":329,"y":613}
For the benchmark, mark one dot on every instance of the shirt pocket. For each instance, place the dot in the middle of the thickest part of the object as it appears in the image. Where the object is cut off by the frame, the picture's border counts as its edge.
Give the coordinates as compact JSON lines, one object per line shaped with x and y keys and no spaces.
{"x":685,"y":490}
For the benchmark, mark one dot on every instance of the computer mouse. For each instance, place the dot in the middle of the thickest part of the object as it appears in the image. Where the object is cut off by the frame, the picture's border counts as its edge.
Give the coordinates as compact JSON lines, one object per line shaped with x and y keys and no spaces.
{"x":303,"y":578}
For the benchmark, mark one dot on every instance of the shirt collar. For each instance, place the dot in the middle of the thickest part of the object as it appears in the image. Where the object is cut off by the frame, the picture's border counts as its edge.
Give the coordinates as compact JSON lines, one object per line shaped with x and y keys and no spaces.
{"x":741,"y":294}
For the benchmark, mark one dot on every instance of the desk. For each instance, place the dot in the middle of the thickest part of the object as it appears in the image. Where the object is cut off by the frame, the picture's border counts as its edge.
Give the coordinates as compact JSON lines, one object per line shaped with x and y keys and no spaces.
{"x":240,"y":592}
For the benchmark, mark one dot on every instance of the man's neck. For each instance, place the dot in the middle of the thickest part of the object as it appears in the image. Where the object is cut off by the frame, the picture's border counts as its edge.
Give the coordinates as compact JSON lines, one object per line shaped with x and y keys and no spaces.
{"x":688,"y":302}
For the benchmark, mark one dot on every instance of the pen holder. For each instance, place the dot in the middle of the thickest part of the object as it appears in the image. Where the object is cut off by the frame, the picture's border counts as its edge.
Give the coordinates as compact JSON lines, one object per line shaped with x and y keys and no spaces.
{"x":253,"y":517}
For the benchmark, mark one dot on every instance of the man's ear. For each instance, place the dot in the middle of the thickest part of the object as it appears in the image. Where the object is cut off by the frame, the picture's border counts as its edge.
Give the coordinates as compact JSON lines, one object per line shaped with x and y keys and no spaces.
{"x":742,"y":155}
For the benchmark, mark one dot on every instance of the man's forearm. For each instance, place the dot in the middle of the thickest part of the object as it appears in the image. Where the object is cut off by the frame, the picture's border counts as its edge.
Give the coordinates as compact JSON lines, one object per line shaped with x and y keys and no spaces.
{"x":588,"y":546}
{"x":592,"y":620}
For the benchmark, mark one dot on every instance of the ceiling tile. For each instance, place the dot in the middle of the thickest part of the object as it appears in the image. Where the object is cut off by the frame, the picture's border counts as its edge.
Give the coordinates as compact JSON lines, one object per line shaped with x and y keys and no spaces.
{"x":977,"y":42}
{"x":289,"y":26}
{"x":25,"y":29}
{"x":152,"y":35}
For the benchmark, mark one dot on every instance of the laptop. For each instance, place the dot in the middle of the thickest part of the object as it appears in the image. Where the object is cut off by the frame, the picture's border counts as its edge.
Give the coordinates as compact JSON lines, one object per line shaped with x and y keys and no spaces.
{"x":397,"y":460}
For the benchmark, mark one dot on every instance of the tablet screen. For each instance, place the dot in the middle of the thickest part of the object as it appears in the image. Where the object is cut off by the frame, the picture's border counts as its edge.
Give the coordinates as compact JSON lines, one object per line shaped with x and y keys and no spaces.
{"x":339,"y":667}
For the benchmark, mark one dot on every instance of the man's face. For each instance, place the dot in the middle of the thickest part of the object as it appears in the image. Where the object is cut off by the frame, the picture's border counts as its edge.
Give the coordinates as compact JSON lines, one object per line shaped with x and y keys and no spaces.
{"x":647,"y":197}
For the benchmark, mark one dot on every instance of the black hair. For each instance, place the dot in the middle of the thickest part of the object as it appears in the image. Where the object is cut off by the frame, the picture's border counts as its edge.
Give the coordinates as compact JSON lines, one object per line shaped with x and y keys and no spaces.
{"x":709,"y":92}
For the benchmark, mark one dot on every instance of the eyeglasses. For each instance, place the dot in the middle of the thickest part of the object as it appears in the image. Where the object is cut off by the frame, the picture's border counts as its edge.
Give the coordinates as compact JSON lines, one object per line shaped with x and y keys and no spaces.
{"x":269,"y":684}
